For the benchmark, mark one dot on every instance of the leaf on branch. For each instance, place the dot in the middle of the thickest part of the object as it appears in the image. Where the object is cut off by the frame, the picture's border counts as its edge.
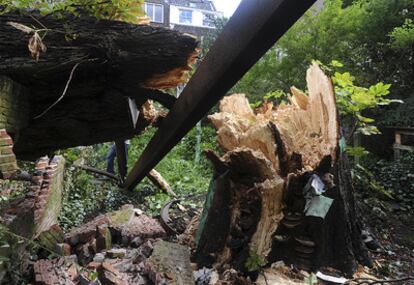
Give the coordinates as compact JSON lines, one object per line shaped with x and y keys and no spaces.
{"x":36,"y":46}
{"x":21,"y":27}
{"x":369,"y":130}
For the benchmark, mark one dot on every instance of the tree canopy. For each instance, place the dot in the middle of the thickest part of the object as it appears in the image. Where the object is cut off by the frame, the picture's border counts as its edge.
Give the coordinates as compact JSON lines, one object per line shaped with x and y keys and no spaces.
{"x":372,"y":38}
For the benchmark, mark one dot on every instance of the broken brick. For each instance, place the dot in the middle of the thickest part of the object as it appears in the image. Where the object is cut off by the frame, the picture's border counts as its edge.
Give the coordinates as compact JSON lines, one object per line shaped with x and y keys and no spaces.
{"x":170,"y":264}
{"x":108,"y":275}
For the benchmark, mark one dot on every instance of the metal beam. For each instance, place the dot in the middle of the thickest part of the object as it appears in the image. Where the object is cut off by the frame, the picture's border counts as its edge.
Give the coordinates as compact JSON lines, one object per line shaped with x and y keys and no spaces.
{"x":253,"y":29}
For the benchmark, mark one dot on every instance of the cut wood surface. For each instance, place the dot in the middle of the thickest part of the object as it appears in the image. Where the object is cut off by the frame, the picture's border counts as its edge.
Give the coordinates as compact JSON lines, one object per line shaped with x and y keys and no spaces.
{"x":258,"y":204}
{"x":92,"y":67}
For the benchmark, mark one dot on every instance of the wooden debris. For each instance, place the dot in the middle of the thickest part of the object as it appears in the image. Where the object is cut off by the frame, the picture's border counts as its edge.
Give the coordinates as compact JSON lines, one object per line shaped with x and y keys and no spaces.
{"x":160,"y":182}
{"x":279,"y":276}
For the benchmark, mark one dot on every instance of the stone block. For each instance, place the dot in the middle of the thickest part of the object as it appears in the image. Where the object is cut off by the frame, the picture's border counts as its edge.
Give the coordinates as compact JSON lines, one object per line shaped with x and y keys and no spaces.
{"x":144,"y":227}
{"x":103,"y":238}
{"x":170,"y":264}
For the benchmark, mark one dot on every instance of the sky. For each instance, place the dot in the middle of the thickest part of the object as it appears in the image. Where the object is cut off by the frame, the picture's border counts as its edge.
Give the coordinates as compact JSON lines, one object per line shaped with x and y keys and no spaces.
{"x":227,"y":6}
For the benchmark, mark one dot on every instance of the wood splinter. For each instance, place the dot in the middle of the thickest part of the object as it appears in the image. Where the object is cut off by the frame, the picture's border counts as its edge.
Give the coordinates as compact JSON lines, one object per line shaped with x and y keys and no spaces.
{"x":255,"y":207}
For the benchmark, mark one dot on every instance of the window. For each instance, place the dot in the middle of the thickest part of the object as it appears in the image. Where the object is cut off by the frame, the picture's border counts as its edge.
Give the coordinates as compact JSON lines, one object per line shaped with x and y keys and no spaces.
{"x":208,"y":20}
{"x":186,"y":17}
{"x":155,"y":12}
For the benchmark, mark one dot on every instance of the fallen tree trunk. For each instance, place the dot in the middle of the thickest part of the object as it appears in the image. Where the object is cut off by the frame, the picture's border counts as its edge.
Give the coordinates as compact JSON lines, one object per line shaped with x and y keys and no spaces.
{"x":283,"y":190}
{"x":86,"y":72}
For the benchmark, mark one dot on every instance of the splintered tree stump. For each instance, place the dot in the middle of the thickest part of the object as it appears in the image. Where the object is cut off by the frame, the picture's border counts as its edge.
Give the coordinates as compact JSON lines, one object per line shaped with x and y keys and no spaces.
{"x":282,"y":190}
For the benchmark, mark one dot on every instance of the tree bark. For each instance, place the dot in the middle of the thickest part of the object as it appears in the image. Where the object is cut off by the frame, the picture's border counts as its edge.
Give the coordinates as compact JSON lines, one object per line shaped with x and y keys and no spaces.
{"x":109,"y":61}
{"x":283,"y":189}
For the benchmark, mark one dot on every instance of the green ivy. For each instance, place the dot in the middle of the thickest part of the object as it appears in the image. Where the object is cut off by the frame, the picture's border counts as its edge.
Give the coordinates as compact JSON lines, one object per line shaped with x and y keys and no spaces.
{"x":389,"y":179}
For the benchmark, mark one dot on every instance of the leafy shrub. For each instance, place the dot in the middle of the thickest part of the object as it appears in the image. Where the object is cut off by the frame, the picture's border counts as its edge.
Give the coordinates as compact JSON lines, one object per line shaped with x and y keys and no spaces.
{"x":397,"y":177}
{"x":179,"y":167}
{"x":85,"y":196}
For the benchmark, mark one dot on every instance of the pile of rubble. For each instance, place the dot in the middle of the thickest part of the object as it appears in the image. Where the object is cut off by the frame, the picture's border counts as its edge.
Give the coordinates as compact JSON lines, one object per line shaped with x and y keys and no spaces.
{"x":111,"y":249}
{"x":127,"y":247}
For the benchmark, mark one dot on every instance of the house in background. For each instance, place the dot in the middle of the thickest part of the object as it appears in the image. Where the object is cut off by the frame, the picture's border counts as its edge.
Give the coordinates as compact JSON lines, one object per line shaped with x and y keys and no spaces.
{"x":194,"y":17}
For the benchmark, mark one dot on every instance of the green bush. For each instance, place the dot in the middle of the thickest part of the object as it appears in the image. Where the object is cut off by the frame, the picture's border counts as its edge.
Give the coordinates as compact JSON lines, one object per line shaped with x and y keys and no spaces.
{"x":179,"y":168}
{"x":394,"y":177}
{"x":85,"y":196}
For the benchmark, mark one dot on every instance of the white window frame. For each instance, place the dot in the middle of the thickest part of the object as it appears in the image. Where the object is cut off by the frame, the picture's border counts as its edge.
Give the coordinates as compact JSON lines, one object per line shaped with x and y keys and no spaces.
{"x":209,"y":13}
{"x":186,"y":10}
{"x":152,"y":17}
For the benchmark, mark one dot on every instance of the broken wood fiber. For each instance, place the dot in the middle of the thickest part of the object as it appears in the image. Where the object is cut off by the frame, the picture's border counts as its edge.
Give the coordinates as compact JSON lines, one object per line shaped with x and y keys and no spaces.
{"x":257,"y":207}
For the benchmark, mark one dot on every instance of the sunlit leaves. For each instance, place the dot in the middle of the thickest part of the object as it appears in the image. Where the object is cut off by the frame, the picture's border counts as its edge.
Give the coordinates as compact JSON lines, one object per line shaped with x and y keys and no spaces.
{"x":353,"y":100}
{"x":124,"y":10}
{"x":336,"y":63}
{"x":356,"y":151}
{"x":403,"y":37}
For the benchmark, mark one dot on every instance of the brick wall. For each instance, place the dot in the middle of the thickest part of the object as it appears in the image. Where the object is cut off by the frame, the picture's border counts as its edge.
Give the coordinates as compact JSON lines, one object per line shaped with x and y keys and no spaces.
{"x":39,"y":209}
{"x":8,"y":164}
{"x":14,"y":107}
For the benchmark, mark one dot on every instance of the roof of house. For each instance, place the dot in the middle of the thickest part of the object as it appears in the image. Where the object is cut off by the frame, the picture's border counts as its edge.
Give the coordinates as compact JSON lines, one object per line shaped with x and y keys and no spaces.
{"x":199,"y":4}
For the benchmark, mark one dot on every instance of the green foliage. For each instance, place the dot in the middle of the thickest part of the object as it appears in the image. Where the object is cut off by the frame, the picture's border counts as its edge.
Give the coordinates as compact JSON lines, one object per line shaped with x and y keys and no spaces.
{"x":179,"y":167}
{"x":276,"y":97}
{"x":403,"y":37}
{"x":254,"y":262}
{"x":124,"y":10}
{"x":403,"y":115}
{"x":209,"y":39}
{"x":15,"y":251}
{"x":85,"y":195}
{"x":363,"y":177}
{"x":355,"y":34}
{"x":386,"y":179}
{"x":353,"y":100}
{"x":356,"y":151}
